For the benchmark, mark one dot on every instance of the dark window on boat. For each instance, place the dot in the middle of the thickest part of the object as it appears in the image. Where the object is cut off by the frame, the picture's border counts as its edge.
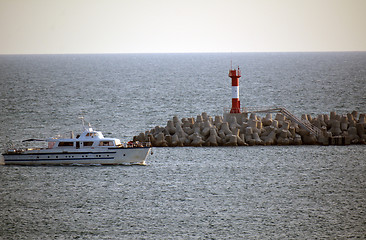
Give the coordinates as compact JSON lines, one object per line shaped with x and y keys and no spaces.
{"x":66,"y":144}
{"x":106,"y":143}
{"x":88,"y":144}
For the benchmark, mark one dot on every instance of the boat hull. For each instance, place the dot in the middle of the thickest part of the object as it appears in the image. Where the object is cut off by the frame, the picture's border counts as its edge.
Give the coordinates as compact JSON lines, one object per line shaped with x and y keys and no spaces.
{"x":110,"y":156}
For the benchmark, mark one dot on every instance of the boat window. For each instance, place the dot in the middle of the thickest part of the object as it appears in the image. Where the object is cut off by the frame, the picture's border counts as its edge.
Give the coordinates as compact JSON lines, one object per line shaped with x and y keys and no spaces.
{"x":92,"y":134}
{"x":88,"y":144}
{"x":106,"y":143}
{"x":66,"y":144}
{"x":51,"y":144}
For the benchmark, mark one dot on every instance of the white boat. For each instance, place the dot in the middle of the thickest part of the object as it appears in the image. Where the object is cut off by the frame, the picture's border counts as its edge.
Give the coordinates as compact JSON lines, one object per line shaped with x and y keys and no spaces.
{"x":90,"y":148}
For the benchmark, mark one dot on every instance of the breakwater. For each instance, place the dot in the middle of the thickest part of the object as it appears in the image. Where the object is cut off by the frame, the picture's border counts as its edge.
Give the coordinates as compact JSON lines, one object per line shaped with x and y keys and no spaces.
{"x":275,"y":126}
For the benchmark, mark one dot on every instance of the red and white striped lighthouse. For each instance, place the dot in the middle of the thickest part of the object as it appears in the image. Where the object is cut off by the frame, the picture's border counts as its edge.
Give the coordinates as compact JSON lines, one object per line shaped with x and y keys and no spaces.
{"x":235,"y":75}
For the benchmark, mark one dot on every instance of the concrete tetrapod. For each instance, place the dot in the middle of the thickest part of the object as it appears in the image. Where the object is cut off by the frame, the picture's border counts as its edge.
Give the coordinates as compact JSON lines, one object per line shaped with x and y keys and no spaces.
{"x":204,"y":131}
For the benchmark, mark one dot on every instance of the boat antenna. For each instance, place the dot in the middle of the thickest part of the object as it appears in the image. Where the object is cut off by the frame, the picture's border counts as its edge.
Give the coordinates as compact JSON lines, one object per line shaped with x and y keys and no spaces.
{"x":82,"y":121}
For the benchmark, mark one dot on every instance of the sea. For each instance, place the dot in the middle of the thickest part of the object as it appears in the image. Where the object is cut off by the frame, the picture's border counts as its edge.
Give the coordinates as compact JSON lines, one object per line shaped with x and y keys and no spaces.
{"x":257,"y":192}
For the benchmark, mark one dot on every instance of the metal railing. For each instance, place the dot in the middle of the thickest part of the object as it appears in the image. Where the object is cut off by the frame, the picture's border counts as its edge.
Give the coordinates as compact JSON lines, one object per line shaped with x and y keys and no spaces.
{"x":302,"y":122}
{"x":272,"y":109}
{"x":255,"y":109}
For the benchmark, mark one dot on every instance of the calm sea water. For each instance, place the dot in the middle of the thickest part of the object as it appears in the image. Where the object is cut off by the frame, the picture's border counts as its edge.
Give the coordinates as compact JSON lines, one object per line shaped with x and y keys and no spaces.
{"x":294,"y":192}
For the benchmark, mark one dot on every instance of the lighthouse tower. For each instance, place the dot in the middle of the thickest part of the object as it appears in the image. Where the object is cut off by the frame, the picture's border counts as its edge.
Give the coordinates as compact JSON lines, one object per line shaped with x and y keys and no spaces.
{"x":235,"y":75}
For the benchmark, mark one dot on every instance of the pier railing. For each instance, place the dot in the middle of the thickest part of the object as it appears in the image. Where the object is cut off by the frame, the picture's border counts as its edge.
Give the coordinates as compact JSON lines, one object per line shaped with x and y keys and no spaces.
{"x":302,"y":122}
{"x":272,"y":109}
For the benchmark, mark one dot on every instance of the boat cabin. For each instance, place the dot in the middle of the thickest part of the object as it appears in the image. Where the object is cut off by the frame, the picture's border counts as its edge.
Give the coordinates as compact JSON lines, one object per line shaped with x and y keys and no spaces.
{"x":88,"y":139}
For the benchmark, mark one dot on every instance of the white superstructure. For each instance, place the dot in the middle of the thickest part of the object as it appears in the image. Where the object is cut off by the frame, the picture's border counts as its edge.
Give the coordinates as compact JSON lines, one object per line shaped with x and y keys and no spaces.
{"x":91,"y":147}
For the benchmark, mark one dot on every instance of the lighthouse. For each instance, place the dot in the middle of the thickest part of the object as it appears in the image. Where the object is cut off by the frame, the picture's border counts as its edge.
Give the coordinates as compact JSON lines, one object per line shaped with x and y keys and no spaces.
{"x":235,"y":75}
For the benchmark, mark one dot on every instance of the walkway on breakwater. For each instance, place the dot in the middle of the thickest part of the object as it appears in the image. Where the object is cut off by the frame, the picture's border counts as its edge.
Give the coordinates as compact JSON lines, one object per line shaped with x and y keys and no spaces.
{"x":251,"y":128}
{"x":304,"y":123}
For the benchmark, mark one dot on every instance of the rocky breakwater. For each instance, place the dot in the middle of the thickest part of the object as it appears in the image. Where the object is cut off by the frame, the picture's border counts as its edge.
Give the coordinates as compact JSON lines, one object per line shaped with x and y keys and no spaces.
{"x":337,"y":129}
{"x":250,"y":129}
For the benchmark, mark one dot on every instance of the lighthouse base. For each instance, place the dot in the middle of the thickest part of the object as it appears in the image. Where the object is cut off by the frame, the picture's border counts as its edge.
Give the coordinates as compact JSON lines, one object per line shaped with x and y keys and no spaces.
{"x":235,"y":110}
{"x":240,"y":117}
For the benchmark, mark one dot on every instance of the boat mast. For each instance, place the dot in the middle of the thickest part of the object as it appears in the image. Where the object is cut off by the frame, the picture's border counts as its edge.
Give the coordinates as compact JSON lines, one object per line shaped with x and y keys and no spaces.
{"x":83,"y":122}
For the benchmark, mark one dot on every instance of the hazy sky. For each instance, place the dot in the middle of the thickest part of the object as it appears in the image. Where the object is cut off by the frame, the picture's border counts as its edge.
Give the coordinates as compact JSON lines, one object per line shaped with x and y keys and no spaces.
{"x":125,"y":26}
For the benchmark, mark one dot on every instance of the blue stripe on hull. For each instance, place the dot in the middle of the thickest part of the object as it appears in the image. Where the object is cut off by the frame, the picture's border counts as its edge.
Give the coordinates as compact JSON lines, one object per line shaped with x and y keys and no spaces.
{"x":55,"y":160}
{"x":57,"y":153}
{"x":90,"y":161}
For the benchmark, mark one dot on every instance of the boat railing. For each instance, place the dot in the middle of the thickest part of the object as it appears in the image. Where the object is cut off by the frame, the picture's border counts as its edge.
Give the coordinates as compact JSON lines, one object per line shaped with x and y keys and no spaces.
{"x":20,"y":150}
{"x":136,"y":144}
{"x":15,"y":150}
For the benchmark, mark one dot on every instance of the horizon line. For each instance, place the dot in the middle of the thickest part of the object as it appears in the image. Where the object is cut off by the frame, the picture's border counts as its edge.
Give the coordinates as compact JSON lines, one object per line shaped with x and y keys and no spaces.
{"x":223,"y":52}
